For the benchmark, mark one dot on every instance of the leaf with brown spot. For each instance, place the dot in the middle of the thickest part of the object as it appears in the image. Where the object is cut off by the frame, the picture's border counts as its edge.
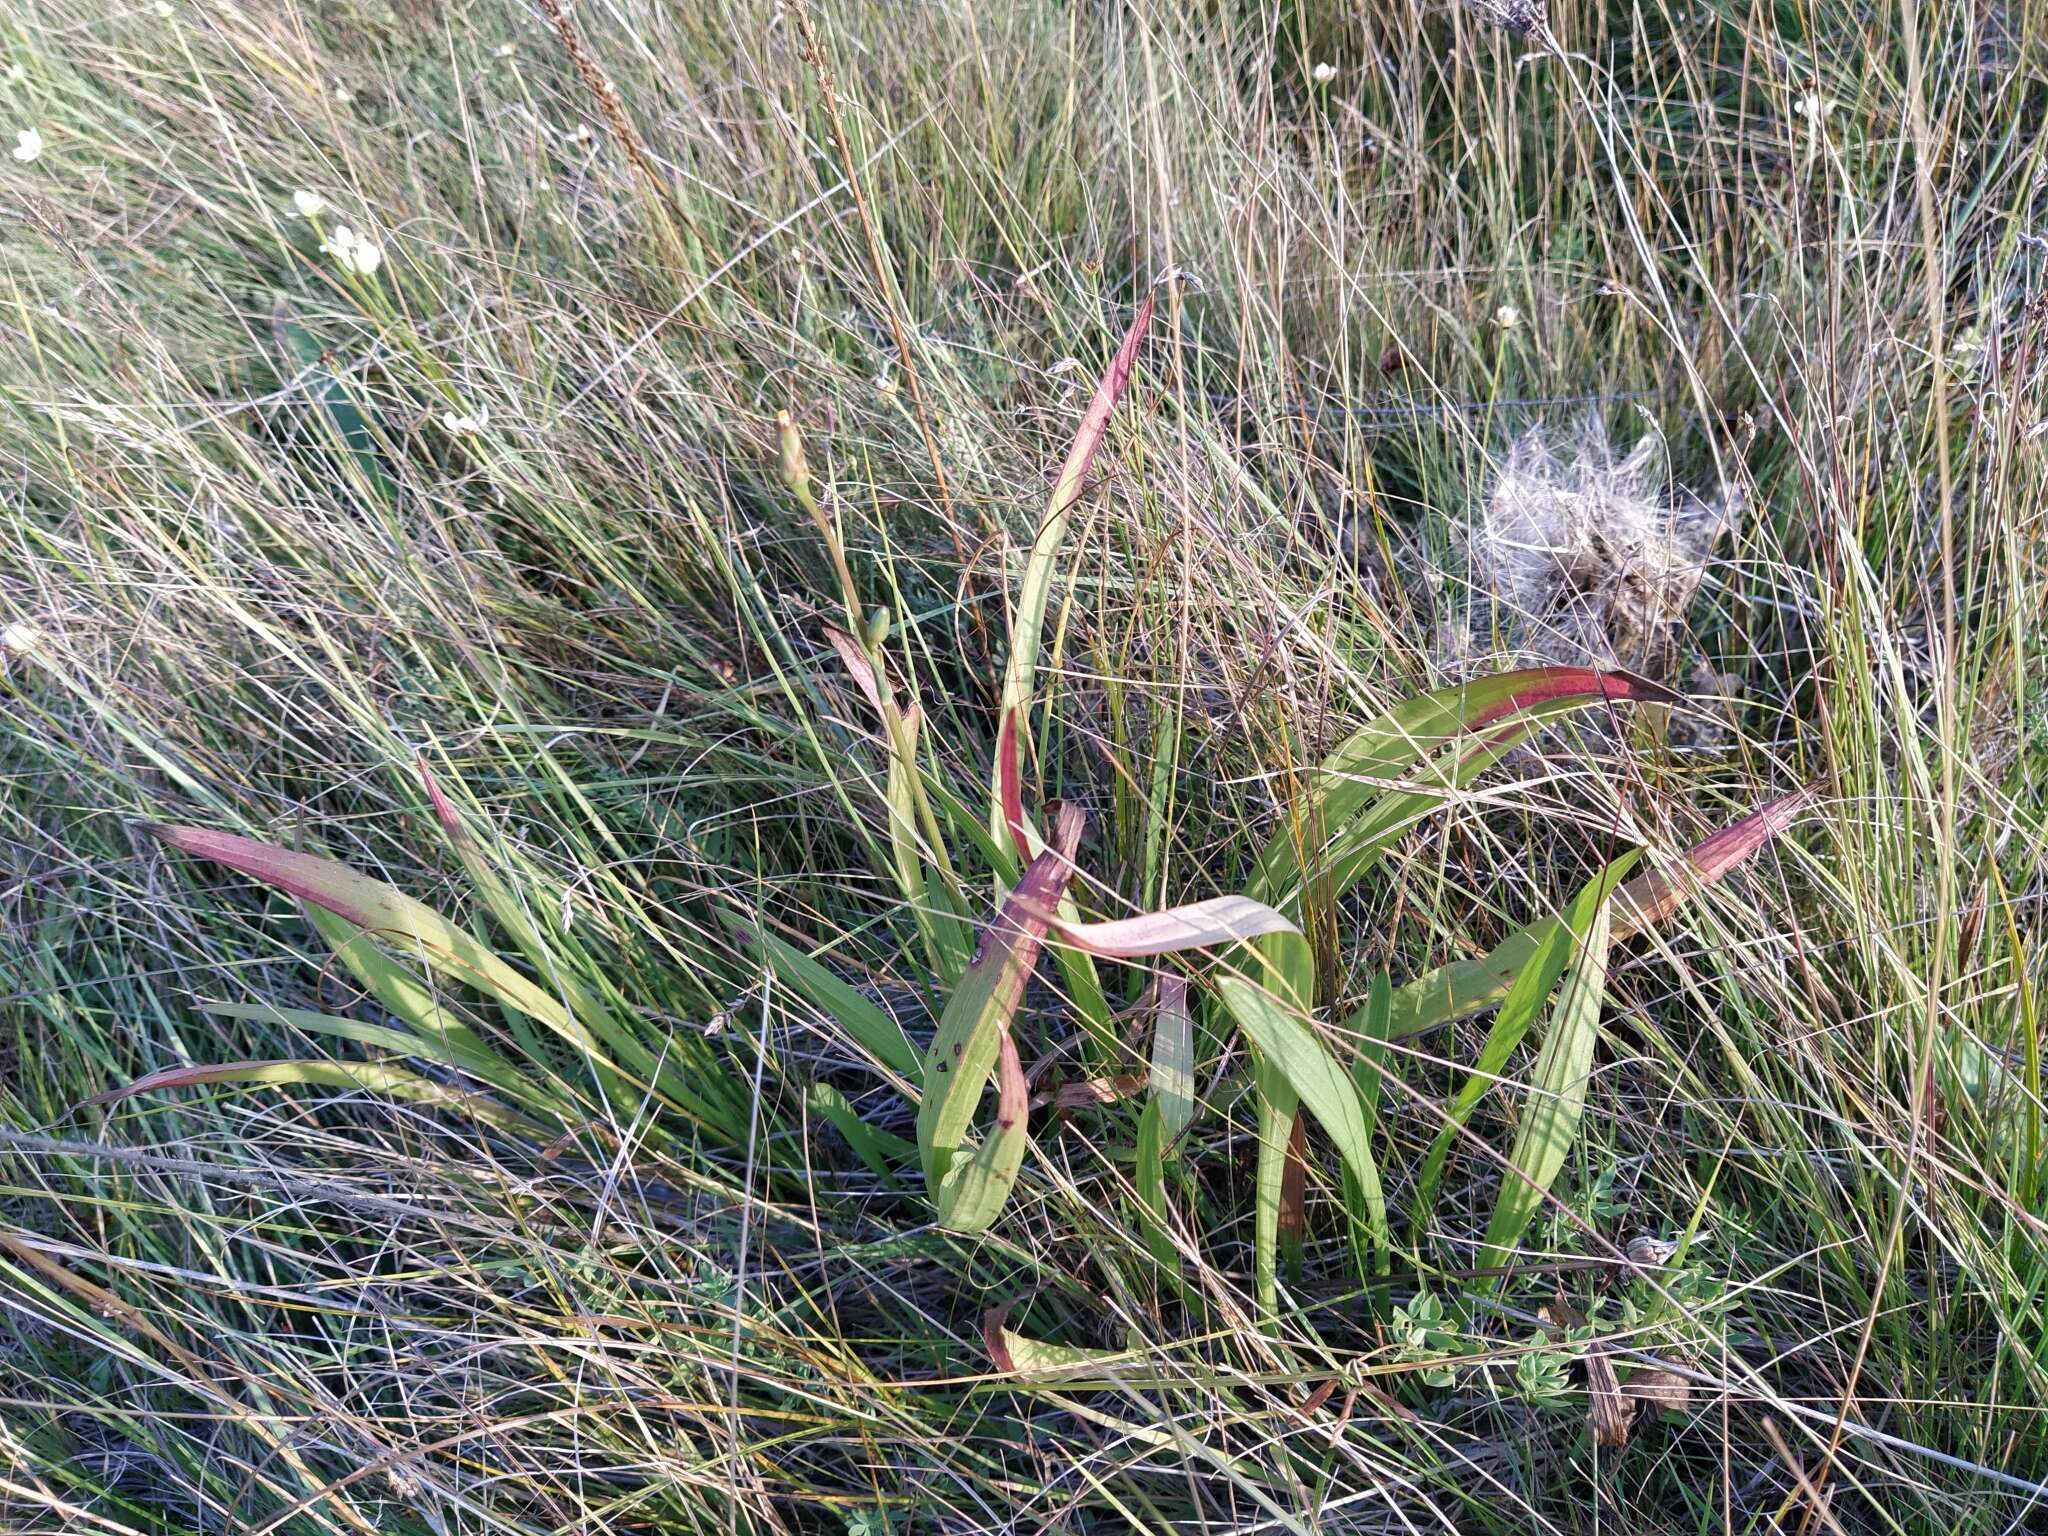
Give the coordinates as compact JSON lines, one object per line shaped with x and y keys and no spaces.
{"x":973,"y":1040}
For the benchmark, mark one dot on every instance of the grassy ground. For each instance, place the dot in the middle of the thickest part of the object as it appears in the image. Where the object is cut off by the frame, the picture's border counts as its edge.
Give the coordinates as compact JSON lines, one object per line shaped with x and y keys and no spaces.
{"x":277,"y":533}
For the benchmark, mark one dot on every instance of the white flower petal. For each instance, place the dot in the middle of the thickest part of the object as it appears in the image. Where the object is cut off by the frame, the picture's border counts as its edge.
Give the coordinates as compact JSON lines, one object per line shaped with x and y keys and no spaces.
{"x":28,"y":143}
{"x":310,"y":204}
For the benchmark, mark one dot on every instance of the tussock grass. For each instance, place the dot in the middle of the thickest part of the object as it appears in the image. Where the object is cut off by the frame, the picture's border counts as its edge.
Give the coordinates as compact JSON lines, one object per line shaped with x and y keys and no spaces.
{"x":276,"y":534}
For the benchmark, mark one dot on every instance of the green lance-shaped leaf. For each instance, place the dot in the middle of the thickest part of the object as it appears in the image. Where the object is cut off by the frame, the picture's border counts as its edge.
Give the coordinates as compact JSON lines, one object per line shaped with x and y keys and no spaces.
{"x":878,"y":1148}
{"x":1291,"y":1052}
{"x":368,"y":1077}
{"x":1360,"y":798}
{"x":1557,"y":1086}
{"x":1035,"y":1361}
{"x":1558,"y":942}
{"x":1466,"y":987}
{"x":1028,"y":626}
{"x":863,"y":1019}
{"x":381,"y":909}
{"x":1168,"y":1110}
{"x":303,"y":350}
{"x":1173,"y":1059}
{"x":1399,"y":769}
{"x":973,"y":1040}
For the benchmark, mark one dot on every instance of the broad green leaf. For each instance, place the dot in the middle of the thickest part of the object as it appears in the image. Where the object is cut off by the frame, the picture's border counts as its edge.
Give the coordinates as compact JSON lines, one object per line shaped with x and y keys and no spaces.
{"x":974,"y":1038}
{"x":1149,"y":1177}
{"x":1556,"y":943}
{"x":304,"y":351}
{"x":386,"y":1081}
{"x":1370,"y":1236}
{"x":1277,"y":1106}
{"x":403,"y":994}
{"x":875,"y":1032}
{"x":930,"y":901}
{"x":1173,"y":1061}
{"x":1558,"y":1083}
{"x":525,"y":1089}
{"x":1035,"y":1361}
{"x":1292,"y":1050}
{"x":1466,"y":987}
{"x":1359,"y":799}
{"x":381,"y":909}
{"x":383,"y":1037}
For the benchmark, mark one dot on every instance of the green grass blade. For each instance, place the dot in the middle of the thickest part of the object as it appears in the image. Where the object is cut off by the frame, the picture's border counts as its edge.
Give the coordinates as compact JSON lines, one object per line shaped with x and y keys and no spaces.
{"x":1558,"y":1084}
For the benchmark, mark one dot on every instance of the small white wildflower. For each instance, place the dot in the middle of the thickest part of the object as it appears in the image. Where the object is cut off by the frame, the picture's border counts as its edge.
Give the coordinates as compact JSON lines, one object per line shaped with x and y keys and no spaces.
{"x":577,"y":134}
{"x":16,"y":73}
{"x":353,"y":253}
{"x":28,"y":143}
{"x":310,"y":204}
{"x":504,"y":50}
{"x":885,"y":387}
{"x":1323,"y":74}
{"x":1507,"y":317}
{"x":19,"y":638}
{"x":344,"y":95}
{"x":1813,"y":107}
{"x":465,"y":423}
{"x":165,"y":9}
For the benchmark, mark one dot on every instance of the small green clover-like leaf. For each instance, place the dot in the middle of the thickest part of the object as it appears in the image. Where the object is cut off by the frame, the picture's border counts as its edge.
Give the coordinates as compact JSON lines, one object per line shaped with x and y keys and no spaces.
{"x":1540,"y":1376}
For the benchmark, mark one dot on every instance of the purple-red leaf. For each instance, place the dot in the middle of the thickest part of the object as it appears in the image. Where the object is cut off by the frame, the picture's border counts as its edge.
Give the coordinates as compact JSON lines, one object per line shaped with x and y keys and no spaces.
{"x":1010,"y":784}
{"x":1650,"y":898}
{"x":974,"y":1038}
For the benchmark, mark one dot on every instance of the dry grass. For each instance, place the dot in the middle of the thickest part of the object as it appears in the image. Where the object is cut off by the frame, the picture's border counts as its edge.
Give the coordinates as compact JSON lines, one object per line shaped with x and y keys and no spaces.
{"x":274,"y":532}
